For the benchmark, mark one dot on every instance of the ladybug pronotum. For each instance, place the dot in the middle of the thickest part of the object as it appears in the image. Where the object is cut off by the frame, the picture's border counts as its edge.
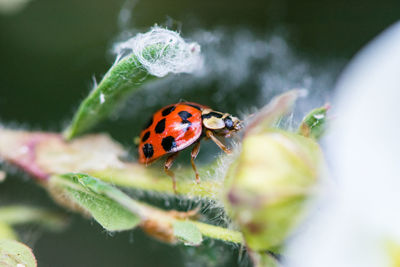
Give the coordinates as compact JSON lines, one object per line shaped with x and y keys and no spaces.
{"x":177,"y":126}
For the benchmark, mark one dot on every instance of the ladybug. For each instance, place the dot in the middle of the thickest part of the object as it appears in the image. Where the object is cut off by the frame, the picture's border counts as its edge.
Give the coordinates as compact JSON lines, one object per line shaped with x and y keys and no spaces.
{"x":177,"y":126}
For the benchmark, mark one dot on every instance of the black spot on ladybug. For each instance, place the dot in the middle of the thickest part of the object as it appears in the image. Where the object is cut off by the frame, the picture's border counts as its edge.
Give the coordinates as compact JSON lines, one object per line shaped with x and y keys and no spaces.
{"x":184,"y":115}
{"x":168,"y":143}
{"x":146,"y":136}
{"x":148,"y":150}
{"x":195,"y":106}
{"x":160,"y":127}
{"x":228,"y":123}
{"x":168,"y":110}
{"x":212,"y":114}
{"x":149,"y":123}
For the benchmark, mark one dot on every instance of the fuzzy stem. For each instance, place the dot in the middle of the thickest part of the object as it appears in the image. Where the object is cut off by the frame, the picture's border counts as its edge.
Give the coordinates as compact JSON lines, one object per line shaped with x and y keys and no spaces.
{"x":98,"y":155}
{"x":163,"y":219}
{"x":220,"y":233}
{"x":136,"y":177}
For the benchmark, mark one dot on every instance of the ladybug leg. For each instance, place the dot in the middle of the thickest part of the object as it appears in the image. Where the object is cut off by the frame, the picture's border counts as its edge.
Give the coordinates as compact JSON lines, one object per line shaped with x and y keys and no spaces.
{"x":167,"y":166}
{"x":211,"y":135}
{"x":195,"y":152}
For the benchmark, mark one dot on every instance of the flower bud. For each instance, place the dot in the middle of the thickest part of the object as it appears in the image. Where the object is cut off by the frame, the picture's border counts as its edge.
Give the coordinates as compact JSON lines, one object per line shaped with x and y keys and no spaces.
{"x":268,"y":184}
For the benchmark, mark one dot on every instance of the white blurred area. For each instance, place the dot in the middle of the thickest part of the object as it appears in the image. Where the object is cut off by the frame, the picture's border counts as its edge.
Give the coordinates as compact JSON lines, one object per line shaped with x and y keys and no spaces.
{"x":354,"y":224}
{"x":11,"y":7}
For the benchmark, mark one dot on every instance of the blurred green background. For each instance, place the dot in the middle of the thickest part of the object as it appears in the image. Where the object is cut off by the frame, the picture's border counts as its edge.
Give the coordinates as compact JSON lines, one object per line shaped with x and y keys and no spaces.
{"x":50,"y":51}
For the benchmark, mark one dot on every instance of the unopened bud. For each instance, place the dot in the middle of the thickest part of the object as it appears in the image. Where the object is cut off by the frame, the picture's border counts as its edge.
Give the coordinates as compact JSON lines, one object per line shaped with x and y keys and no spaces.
{"x":268,"y":184}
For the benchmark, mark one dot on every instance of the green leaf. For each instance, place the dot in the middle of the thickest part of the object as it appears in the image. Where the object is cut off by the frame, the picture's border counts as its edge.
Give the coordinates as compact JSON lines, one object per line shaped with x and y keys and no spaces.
{"x":187,"y":232}
{"x":153,"y":54}
{"x":105,"y":203}
{"x":6,"y":231}
{"x":125,"y":77}
{"x":13,"y":253}
{"x":314,"y":123}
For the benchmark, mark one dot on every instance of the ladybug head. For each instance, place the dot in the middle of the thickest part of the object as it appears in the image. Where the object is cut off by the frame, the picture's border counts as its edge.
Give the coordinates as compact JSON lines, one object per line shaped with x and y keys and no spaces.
{"x":221,"y":123}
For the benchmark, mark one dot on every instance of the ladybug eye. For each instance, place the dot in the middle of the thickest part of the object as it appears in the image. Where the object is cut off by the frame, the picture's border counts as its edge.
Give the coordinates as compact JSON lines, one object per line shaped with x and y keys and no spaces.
{"x":228,"y":123}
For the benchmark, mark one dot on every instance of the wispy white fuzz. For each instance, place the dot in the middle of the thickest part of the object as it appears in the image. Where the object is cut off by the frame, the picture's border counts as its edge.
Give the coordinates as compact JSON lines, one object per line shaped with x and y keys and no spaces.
{"x":175,"y":55}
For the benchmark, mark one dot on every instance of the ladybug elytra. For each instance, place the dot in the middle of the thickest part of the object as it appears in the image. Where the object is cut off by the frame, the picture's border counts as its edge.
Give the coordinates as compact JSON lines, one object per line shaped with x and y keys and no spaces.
{"x":177,"y":126}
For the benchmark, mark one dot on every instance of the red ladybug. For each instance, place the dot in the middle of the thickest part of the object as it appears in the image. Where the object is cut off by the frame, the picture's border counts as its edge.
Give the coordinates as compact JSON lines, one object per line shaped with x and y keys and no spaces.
{"x":177,"y":126}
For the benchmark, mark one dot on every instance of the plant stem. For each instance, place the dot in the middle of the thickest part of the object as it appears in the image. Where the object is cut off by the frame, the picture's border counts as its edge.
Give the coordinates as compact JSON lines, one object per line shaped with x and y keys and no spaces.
{"x":220,"y":233}
{"x":160,"y":218}
{"x":137,"y":177}
{"x":98,"y":155}
{"x":18,"y":214}
{"x":7,"y":232}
